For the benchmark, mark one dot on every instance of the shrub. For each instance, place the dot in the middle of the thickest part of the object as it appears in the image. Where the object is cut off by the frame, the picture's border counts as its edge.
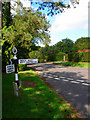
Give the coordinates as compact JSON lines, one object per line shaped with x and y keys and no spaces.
{"x":41,"y":60}
{"x":34,"y":54}
{"x":75,"y":57}
{"x":60,"y":55}
{"x":85,"y":57}
{"x":81,"y":57}
{"x":22,"y":67}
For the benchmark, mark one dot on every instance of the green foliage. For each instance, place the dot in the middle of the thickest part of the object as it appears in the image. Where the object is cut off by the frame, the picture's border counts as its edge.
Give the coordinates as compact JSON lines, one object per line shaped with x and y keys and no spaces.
{"x":74,"y":64}
{"x":60,"y":56}
{"x":66,"y":46}
{"x":81,"y":44}
{"x":33,"y":102}
{"x":23,"y":31}
{"x":27,"y":28}
{"x":41,"y":60}
{"x":6,"y":14}
{"x":84,"y":57}
{"x":22,"y":67}
{"x":53,"y":8}
{"x":34,"y":55}
{"x":50,"y":52}
{"x":38,"y":55}
{"x":6,"y":21}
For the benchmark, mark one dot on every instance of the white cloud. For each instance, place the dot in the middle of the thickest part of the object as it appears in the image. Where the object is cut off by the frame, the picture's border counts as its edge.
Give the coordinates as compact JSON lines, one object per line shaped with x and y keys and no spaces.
{"x":72,"y":18}
{"x":26,"y":3}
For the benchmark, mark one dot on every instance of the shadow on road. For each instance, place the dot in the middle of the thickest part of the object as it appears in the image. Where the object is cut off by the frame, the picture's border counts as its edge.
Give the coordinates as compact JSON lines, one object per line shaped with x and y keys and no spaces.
{"x":76,"y":94}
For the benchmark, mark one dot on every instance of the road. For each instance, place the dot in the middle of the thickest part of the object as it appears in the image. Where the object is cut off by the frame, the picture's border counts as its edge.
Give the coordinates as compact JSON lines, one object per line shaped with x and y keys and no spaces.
{"x":70,"y":82}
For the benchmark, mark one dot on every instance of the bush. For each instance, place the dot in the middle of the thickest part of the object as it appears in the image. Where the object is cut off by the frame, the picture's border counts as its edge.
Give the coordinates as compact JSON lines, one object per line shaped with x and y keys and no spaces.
{"x":33,"y":54}
{"x":81,"y":57}
{"x":85,"y":57}
{"x":22,"y":67}
{"x":60,"y":55}
{"x":75,"y":57}
{"x":70,"y":56}
{"x":41,"y":60}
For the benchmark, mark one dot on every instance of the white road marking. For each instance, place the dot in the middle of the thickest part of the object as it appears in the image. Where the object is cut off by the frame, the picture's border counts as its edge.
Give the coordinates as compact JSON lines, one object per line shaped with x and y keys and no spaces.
{"x":80,"y":80}
{"x":74,"y":82}
{"x":62,"y":77}
{"x":56,"y":78}
{"x":50,"y":77}
{"x":85,"y":84}
{"x":70,"y":78}
{"x":77,"y":81}
{"x":65,"y":80}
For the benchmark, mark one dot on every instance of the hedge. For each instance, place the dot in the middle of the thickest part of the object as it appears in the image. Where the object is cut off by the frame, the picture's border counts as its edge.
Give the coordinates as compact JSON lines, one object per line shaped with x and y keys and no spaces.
{"x":60,"y":55}
{"x":81,"y":57}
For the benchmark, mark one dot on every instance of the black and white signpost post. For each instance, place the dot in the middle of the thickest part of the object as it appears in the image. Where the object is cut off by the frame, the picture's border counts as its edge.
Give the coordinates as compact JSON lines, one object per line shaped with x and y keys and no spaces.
{"x":15,"y":61}
{"x":14,"y":66}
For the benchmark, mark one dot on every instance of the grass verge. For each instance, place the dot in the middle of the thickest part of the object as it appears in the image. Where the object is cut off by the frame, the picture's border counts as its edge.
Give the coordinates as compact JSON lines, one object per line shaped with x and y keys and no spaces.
{"x":33,"y":102}
{"x":74,"y":64}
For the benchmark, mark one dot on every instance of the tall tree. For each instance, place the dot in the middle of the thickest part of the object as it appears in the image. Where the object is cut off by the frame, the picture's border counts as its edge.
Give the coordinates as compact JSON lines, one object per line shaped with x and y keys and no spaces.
{"x":55,"y":7}
{"x":27,"y":28}
{"x":6,"y":21}
{"x":6,"y":14}
{"x":82,"y":43}
{"x":66,"y":46}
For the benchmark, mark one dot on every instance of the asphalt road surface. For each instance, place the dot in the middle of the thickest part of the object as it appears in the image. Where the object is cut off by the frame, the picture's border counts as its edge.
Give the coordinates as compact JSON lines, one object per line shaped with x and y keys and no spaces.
{"x":71,"y":82}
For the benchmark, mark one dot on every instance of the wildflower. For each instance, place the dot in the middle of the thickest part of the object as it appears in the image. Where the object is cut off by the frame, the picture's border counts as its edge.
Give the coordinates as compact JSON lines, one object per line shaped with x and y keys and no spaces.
{"x":49,"y":104}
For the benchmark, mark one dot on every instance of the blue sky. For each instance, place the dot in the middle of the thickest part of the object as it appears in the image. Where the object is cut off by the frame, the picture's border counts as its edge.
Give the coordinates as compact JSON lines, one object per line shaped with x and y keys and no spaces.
{"x":72,"y":24}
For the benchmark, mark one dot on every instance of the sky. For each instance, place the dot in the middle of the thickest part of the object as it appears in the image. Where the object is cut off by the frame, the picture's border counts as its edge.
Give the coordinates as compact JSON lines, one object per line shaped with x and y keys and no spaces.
{"x":71,"y":24}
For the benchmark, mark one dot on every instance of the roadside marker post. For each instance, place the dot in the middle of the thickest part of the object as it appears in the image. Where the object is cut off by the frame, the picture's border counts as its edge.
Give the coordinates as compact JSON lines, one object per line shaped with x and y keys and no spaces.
{"x":13,"y":68}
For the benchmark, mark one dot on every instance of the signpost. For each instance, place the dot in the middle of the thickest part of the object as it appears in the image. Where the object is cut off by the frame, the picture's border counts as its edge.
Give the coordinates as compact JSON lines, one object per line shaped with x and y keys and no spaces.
{"x":13,"y":68}
{"x":10,"y":68}
{"x":27,"y":61}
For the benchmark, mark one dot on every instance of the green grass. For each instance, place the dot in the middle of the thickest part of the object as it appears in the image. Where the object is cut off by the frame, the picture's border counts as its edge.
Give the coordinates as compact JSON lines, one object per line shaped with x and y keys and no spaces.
{"x":33,"y":102}
{"x":74,"y":64}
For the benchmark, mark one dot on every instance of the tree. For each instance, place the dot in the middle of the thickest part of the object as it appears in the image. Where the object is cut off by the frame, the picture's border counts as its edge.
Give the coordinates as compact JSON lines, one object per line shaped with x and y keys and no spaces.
{"x":82,"y":44}
{"x":27,"y":28}
{"x":65,"y":46}
{"x":34,"y":54}
{"x":6,"y":21}
{"x":60,"y":56}
{"x":55,"y":7}
{"x":6,"y":14}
